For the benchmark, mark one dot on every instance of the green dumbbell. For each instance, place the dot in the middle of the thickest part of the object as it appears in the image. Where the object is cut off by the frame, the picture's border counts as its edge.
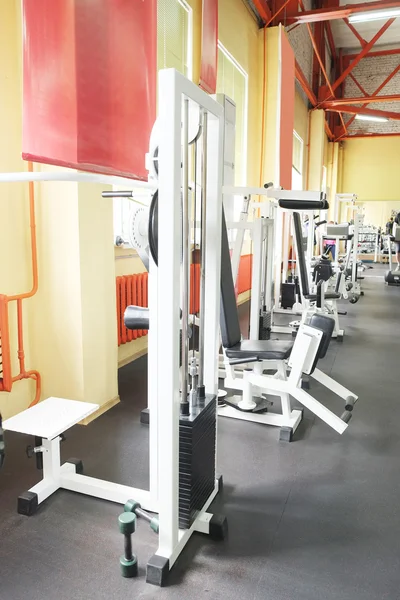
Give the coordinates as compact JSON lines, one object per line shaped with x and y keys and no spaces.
{"x":128,"y":562}
{"x":132,"y":506}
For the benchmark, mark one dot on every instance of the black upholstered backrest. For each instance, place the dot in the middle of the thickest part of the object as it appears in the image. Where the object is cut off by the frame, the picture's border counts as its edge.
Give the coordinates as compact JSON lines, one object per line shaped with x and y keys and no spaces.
{"x":301,"y":261}
{"x":230,"y":328}
{"x":326,"y":325}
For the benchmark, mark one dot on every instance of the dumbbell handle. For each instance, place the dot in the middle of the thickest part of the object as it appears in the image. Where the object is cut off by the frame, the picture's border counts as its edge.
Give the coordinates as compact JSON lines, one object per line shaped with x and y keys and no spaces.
{"x":128,"y":546}
{"x":143,"y":514}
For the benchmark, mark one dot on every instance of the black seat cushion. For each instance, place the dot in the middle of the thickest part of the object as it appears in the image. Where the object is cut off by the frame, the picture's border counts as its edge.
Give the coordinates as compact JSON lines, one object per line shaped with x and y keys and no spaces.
{"x":328,"y":296}
{"x":262,"y":349}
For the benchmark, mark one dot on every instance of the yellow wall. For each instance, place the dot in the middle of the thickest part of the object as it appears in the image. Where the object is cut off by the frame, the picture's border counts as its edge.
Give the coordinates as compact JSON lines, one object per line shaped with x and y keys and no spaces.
{"x":15,"y":268}
{"x":371,"y":168}
{"x":378,"y":213}
{"x":70,"y":333}
{"x":238,"y":32}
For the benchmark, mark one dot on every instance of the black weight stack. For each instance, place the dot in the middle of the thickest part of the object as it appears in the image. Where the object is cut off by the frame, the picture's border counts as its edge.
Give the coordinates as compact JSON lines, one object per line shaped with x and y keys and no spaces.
{"x":197,"y":447}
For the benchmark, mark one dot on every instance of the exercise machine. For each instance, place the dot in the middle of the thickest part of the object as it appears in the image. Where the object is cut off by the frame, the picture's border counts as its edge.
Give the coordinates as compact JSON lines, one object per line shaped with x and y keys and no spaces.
{"x":392,"y":277}
{"x":300,"y":357}
{"x":179,"y":492}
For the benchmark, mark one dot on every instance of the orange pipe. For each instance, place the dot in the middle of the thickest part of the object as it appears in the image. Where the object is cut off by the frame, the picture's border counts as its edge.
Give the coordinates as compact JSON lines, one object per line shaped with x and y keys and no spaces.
{"x":33,"y":243}
{"x":23,"y":374}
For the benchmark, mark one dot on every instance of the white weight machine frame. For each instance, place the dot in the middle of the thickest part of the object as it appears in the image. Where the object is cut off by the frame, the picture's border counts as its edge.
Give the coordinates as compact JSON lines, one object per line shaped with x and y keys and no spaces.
{"x":164,"y":302}
{"x":253,"y":383}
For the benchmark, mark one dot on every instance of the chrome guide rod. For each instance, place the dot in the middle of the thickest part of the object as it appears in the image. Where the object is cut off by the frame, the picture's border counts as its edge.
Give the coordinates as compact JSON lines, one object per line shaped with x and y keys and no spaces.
{"x":185,"y":261}
{"x":201,"y":389}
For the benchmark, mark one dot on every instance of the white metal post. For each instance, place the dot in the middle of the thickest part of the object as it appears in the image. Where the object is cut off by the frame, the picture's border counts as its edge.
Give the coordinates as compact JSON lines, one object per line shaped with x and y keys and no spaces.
{"x":152,"y":382}
{"x":213,"y":250}
{"x":269,"y":265}
{"x":278,"y":255}
{"x":256,"y":278}
{"x":168,"y":301}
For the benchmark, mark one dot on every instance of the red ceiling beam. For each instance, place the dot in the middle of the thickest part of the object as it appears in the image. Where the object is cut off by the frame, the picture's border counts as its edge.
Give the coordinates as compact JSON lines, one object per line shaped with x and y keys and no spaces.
{"x":277,"y":12}
{"x":362,"y":100}
{"x":355,"y":32}
{"x":363,"y":53}
{"x":361,"y":110}
{"x":339,"y":12}
{"x":318,"y":41}
{"x":376,"y":92}
{"x":263,"y":9}
{"x":302,"y":79}
{"x":331,"y":41}
{"x":376,"y":53}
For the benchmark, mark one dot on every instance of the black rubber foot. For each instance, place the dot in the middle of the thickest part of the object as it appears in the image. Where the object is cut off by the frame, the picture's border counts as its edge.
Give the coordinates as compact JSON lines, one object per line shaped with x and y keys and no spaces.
{"x":27,"y":503}
{"x":157,"y":570}
{"x":218,"y":527}
{"x":305,"y":383}
{"x":220,"y":483}
{"x":362,"y":294}
{"x":145,"y":416}
{"x":78,"y":465}
{"x":340,"y":338}
{"x":286,"y":434}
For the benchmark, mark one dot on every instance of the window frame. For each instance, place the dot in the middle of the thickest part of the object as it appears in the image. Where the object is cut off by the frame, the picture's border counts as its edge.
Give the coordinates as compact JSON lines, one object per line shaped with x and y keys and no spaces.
{"x":245,"y":124}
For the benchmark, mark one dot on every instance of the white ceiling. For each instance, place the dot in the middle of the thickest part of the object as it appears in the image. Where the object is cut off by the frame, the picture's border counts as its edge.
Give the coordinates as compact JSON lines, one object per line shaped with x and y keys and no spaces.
{"x":344,"y":38}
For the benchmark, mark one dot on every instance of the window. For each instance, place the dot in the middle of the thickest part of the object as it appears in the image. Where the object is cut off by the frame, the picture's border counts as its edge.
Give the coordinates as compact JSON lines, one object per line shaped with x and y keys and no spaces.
{"x":232,"y":80}
{"x":174,"y":36}
{"x":174,"y":51}
{"x":297,"y":162}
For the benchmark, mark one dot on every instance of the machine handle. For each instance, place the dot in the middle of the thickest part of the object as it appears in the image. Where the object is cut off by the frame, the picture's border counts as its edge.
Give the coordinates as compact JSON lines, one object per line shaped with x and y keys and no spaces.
{"x":136,"y":317}
{"x":242,"y":361}
{"x":121,"y":194}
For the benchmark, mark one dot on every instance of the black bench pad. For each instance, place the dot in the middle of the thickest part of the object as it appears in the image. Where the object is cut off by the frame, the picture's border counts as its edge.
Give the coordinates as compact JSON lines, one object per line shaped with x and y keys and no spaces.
{"x":262,"y":349}
{"x":328,"y":296}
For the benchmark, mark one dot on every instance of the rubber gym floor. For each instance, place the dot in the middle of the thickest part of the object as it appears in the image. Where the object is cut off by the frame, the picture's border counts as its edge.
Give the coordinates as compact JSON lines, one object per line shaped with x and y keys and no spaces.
{"x":317,"y":519}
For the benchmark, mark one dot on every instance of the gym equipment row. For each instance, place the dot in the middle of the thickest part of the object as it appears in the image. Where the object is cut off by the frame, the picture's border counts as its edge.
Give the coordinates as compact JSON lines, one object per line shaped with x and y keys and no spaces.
{"x":182,"y":385}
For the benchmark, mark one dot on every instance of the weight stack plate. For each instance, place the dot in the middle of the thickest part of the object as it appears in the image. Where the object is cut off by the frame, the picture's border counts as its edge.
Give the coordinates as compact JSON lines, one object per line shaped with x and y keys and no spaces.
{"x":197,"y":448}
{"x":265,"y":325}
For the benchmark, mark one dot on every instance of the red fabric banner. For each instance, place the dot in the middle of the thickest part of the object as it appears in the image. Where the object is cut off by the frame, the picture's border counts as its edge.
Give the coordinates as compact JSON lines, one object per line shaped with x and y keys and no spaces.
{"x":209,"y":46}
{"x":89,"y":97}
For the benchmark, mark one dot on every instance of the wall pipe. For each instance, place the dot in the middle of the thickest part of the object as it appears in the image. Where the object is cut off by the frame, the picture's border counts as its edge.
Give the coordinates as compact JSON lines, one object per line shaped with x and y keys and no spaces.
{"x":23,"y":373}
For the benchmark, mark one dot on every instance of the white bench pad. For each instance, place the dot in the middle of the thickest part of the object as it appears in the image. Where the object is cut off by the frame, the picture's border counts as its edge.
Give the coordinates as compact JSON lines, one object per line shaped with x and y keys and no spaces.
{"x":50,"y":418}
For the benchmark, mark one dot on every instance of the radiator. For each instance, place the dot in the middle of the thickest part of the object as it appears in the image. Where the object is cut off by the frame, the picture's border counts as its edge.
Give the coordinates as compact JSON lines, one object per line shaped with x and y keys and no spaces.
{"x":131,"y":289}
{"x":245,"y":273}
{"x":5,"y":355}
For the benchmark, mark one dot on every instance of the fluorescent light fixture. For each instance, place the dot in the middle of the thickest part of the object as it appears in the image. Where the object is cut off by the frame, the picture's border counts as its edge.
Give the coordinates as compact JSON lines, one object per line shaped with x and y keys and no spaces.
{"x":374,"y":15}
{"x":371,"y":118}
